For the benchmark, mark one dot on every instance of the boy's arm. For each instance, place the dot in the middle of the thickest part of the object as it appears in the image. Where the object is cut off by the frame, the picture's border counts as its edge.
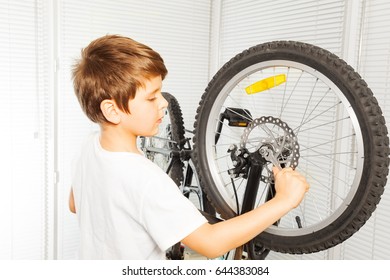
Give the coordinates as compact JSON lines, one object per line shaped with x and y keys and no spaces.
{"x":217,"y":239}
{"x":72,"y":206}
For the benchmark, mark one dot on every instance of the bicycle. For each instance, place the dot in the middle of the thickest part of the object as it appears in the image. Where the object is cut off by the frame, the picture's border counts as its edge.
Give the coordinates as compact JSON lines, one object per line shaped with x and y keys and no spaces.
{"x":292,"y":104}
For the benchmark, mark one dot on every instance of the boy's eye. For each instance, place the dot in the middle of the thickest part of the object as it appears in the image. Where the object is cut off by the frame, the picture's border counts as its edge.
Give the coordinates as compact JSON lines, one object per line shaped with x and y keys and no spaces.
{"x":152,"y":99}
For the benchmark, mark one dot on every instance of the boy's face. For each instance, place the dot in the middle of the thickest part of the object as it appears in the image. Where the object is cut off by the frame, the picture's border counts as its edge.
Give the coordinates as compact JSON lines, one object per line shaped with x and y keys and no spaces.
{"x":146,"y":109}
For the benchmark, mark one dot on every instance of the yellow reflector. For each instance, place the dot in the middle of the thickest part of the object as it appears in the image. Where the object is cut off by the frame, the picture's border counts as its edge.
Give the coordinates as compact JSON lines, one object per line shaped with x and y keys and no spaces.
{"x":244,"y":124}
{"x":265,"y":84}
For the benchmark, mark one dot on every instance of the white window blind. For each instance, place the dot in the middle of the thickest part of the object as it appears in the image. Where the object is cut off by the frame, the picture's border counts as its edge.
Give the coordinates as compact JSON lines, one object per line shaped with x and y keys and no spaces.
{"x":24,"y":121}
{"x":178,"y":30}
{"x":372,"y":241}
{"x":247,"y":23}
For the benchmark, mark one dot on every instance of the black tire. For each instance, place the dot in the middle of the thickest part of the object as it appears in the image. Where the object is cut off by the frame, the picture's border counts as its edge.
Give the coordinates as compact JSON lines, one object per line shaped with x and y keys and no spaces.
{"x":178,"y":131}
{"x":170,"y":137}
{"x":346,"y":207}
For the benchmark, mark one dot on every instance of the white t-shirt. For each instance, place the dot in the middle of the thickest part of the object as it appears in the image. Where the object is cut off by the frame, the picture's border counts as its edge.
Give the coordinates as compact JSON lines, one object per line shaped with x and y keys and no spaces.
{"x":127,"y":207}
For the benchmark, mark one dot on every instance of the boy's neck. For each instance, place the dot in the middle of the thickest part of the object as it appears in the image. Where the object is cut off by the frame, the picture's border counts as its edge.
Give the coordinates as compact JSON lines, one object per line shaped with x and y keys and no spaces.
{"x":113,"y":139}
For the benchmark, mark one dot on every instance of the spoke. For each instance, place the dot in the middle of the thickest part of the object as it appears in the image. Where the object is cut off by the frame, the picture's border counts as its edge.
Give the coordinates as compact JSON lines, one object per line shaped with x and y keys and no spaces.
{"x":245,"y":117}
{"x":239,"y":186}
{"x":329,"y":173}
{"x":252,"y":96}
{"x":223,"y":156}
{"x":253,"y":140}
{"x":225,"y":144}
{"x":238,"y":139}
{"x":223,"y":171}
{"x":289,"y":97}
{"x":331,"y":158}
{"x":238,"y":105}
{"x":224,"y":124}
{"x":323,"y":112}
{"x":325,"y":143}
{"x":268,"y":131}
{"x":251,"y":143}
{"x":272,"y":96}
{"x":330,"y":154}
{"x":234,"y":180}
{"x":320,"y":201}
{"x":318,"y":103}
{"x":303,"y":221}
{"x":316,"y":201}
{"x":307,"y":105}
{"x":288,"y":221}
{"x":263,"y":193}
{"x":284,"y":93}
{"x":324,"y":124}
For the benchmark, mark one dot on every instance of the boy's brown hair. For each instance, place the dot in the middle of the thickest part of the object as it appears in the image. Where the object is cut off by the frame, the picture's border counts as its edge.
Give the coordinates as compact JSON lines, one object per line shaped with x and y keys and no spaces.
{"x":113,"y":67}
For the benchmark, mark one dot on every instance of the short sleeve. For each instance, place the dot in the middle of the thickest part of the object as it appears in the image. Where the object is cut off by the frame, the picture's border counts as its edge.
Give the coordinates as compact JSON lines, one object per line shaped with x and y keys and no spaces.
{"x":167,"y":215}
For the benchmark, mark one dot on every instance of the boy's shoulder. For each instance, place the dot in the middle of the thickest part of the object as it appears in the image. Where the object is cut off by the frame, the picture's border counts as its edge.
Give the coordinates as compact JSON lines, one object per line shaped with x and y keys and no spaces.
{"x":122,"y":164}
{"x":139,"y":165}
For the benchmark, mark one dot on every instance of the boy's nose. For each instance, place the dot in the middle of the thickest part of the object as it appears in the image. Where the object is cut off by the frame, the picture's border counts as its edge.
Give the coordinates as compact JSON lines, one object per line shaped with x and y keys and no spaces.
{"x":164,"y":103}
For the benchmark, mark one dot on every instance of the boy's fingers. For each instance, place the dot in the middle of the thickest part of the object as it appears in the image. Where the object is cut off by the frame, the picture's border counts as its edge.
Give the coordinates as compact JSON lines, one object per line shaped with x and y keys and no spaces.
{"x":276,"y":170}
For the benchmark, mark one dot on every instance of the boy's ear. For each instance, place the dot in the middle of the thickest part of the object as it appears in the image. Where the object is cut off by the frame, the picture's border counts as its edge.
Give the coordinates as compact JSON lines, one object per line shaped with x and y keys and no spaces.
{"x":110,"y":111}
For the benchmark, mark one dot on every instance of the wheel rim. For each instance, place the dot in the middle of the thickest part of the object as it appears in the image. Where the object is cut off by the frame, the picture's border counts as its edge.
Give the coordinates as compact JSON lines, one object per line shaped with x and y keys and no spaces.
{"x":328,"y":133}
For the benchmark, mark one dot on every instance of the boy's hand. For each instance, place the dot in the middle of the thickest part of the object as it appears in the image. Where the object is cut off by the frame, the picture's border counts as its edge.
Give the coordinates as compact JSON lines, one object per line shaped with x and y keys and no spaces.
{"x":290,"y":186}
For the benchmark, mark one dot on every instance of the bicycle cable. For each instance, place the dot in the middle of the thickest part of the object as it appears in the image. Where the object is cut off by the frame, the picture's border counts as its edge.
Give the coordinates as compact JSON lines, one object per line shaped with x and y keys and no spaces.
{"x":236,"y":196}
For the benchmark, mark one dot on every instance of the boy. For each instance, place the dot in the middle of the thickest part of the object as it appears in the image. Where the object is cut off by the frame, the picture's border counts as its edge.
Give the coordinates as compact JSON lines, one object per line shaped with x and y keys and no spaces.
{"x":127,"y":207}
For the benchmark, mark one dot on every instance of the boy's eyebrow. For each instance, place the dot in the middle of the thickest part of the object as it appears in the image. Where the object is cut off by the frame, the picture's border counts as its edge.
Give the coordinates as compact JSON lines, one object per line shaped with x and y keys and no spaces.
{"x":154,"y":91}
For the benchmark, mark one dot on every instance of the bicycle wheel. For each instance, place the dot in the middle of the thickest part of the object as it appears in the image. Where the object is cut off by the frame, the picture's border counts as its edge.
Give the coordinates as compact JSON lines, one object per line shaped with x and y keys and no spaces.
{"x":301,"y":106}
{"x":170,"y":138}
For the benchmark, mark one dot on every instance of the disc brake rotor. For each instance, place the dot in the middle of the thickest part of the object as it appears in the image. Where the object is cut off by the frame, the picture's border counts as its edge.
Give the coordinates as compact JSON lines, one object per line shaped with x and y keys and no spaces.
{"x":276,"y":137}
